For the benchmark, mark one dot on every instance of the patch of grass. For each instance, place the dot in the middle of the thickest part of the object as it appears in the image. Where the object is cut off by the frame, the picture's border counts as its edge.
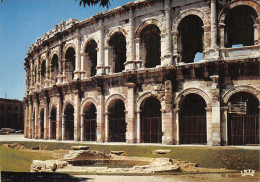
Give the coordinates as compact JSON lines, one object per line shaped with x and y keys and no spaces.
{"x":16,"y":160}
{"x":208,"y":157}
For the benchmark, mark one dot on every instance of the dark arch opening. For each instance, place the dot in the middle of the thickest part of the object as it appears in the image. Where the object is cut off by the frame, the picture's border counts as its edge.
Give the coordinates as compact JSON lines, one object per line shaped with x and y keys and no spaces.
{"x":239,"y":26}
{"x":193,"y":125}
{"x":43,"y":69}
{"x":151,"y":38}
{"x":190,"y":38}
{"x":70,"y":63}
{"x":42,"y":124}
{"x":91,"y":50}
{"x":53,"y":123}
{"x":151,"y":121}
{"x":69,"y":122}
{"x":54,"y":67}
{"x":117,"y":124}
{"x":243,"y":128}
{"x":118,"y":43}
{"x":90,"y":123}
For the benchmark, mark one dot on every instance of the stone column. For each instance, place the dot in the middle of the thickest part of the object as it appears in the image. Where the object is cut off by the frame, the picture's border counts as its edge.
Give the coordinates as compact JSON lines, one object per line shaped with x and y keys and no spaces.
{"x":215,"y":111}
{"x":167,"y":55}
{"x":50,"y":127}
{"x":59,"y":76}
{"x":176,"y":131}
{"x":64,"y":74}
{"x":46,"y":119}
{"x":207,"y":39}
{"x":82,"y":127}
{"x":167,"y":127}
{"x":106,"y":126}
{"x":76,"y":116}
{"x":130,"y":54}
{"x":100,"y":118}
{"x":222,"y":34}
{"x":100,"y":55}
{"x":58,"y":119}
{"x":176,"y":55}
{"x":30,"y":120}
{"x":84,"y":71}
{"x":224,"y":128}
{"x":138,"y":126}
{"x":209,"y":125}
{"x":63,"y":127}
{"x":257,"y":31}
{"x":78,"y":48}
{"x":130,"y":119}
{"x":213,"y":18}
{"x":138,"y":53}
{"x":36,"y":121}
{"x":108,"y":59}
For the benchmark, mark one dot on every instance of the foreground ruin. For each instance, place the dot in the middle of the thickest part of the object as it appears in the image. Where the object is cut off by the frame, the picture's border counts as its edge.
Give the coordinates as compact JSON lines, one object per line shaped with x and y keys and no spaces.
{"x":131,"y":74}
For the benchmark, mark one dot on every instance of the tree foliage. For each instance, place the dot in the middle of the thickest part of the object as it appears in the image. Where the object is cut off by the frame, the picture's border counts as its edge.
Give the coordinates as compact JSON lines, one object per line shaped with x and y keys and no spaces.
{"x":103,"y":3}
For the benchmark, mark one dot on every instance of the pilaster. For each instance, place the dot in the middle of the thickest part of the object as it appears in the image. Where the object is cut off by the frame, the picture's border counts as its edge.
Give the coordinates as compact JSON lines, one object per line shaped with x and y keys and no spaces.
{"x":100,"y":53}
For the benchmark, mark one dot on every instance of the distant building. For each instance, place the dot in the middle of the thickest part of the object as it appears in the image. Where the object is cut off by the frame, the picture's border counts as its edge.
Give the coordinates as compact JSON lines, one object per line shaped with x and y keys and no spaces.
{"x":11,"y":113}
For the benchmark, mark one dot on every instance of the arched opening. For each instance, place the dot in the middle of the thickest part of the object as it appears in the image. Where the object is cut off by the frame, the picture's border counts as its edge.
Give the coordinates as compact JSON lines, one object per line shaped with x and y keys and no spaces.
{"x":53,"y":123}
{"x":151,"y":121}
{"x":70,"y":63}
{"x":239,"y":26}
{"x":90,"y":123}
{"x":190,"y":39}
{"x":33,"y":124}
{"x":91,"y":50}
{"x":117,"y":124}
{"x":54,"y":67}
{"x":151,"y":39}
{"x":243,"y":119}
{"x":118,"y":43}
{"x":193,"y":125}
{"x":69,"y":122}
{"x":43,"y":70}
{"x":42,"y":124}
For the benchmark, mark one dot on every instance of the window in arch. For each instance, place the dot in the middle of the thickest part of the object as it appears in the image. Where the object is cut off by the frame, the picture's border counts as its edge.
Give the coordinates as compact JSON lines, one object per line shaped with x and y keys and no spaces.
{"x":239,"y":26}
{"x":91,"y":50}
{"x":118,"y":43}
{"x":70,"y":62}
{"x":54,"y":66}
{"x":151,"y":39}
{"x":190,"y":40}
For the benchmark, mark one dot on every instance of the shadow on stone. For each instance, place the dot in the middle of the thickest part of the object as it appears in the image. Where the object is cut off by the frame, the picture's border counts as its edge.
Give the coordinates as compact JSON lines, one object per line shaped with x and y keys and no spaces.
{"x":39,"y":177}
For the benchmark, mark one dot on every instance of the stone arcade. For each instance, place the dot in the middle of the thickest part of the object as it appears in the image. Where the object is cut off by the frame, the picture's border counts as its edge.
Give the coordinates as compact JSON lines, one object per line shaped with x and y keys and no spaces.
{"x":130,"y":75}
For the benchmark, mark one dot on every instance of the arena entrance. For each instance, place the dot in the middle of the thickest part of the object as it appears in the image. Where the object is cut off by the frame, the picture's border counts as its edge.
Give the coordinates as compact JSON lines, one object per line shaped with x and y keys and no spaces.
{"x":53,"y":124}
{"x":90,"y":123}
{"x":69,"y":122}
{"x":117,"y":124}
{"x":42,"y":124}
{"x":151,"y":121}
{"x":243,"y":119}
{"x":193,"y":125}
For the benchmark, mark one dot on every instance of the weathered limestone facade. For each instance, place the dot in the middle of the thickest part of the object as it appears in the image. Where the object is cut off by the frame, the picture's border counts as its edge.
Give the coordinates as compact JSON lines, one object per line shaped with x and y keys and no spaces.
{"x":129,"y":75}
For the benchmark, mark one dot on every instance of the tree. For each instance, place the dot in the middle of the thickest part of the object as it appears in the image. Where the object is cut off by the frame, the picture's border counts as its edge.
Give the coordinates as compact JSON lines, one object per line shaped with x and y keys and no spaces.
{"x":103,"y":3}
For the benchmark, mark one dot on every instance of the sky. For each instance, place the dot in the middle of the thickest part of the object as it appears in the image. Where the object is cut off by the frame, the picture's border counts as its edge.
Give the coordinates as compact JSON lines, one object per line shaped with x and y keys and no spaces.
{"x":21,"y":23}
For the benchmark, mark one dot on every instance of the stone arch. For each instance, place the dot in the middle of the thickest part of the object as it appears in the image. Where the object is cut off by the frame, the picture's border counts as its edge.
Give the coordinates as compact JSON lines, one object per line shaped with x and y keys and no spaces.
{"x":86,"y":101}
{"x":51,"y":56}
{"x":65,"y":105}
{"x":242,"y":88}
{"x":86,"y":43}
{"x":188,"y":91}
{"x":43,"y":58}
{"x":159,"y":24}
{"x":252,"y":3}
{"x":145,"y":96}
{"x":52,"y":106}
{"x":113,"y":98}
{"x":111,"y":33}
{"x":67,"y":46}
{"x":196,"y":12}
